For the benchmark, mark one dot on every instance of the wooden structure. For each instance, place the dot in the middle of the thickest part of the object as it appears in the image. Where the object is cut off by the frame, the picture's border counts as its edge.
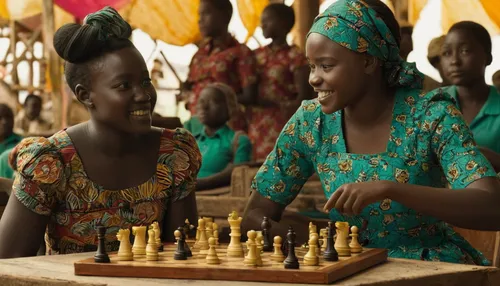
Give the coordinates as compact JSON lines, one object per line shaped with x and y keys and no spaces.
{"x":233,"y":269}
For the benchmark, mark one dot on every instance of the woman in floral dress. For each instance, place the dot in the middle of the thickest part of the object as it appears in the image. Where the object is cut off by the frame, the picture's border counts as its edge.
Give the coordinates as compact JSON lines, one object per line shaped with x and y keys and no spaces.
{"x":115,"y":170}
{"x":384,"y":151}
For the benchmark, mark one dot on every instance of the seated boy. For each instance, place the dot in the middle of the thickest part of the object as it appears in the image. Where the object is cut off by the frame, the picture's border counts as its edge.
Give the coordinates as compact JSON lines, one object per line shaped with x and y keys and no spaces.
{"x":221,"y":147}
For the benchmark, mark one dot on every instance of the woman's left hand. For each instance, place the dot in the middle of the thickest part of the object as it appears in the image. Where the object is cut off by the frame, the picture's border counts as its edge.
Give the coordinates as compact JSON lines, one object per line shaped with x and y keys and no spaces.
{"x":351,"y":199}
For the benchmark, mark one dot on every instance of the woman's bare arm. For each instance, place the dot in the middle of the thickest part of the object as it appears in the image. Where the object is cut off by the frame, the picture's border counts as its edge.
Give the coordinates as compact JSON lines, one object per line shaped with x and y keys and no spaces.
{"x":177,"y":213}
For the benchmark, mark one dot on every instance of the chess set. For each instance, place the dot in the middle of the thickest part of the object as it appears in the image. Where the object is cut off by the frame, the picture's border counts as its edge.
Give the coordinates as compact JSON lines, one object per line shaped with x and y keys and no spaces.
{"x":327,"y":257}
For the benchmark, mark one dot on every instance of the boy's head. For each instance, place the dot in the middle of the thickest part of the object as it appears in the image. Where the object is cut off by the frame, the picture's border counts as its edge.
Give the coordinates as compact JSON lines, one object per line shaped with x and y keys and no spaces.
{"x":32,"y":106}
{"x":277,"y":20}
{"x":216,"y":105}
{"x":6,"y":121}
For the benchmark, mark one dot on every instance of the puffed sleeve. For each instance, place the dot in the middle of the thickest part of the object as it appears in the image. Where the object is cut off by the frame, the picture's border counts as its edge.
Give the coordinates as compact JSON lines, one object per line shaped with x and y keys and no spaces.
{"x":453,"y":144}
{"x":289,"y":165}
{"x":186,"y":164}
{"x":39,"y":176}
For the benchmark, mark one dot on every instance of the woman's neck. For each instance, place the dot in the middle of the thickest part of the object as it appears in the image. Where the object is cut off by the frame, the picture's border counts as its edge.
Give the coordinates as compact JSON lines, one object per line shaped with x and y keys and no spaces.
{"x":113,"y":143}
{"x":373,"y":106}
{"x":220,"y":39}
{"x":473,"y":93}
{"x":279,"y":42}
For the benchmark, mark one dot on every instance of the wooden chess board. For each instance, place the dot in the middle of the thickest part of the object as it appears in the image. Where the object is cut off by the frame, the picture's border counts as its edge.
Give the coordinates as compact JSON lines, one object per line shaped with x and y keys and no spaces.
{"x":232,"y":269}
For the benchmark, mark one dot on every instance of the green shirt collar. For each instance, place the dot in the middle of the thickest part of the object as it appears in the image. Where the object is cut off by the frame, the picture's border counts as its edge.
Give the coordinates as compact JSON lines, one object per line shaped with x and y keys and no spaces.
{"x":201,"y":134}
{"x":491,"y":106}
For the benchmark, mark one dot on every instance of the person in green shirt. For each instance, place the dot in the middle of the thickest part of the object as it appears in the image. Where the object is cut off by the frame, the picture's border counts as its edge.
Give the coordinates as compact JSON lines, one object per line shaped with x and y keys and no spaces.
{"x":8,"y":139}
{"x":221,"y":147}
{"x":465,"y":55}
{"x":385,"y":152}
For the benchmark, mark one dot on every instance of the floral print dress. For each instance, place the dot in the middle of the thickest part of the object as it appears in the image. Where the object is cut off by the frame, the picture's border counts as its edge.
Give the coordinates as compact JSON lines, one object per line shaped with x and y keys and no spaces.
{"x":429,"y":145}
{"x":51,"y":181}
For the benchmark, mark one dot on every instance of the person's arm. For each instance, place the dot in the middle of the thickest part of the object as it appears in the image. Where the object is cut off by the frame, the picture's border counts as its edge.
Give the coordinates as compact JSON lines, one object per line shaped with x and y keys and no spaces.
{"x":32,"y":200}
{"x":246,"y":69}
{"x":182,"y":201}
{"x":281,"y":177}
{"x":492,"y":156}
{"x":241,"y":156}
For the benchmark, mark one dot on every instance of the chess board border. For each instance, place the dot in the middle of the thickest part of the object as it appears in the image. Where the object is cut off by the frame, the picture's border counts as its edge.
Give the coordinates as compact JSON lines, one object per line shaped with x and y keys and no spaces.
{"x":324,"y":275}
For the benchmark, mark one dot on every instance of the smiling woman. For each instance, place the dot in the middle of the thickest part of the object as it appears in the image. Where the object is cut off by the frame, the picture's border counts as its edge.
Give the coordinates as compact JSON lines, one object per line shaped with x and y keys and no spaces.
{"x":115,"y":170}
{"x":383,"y":150}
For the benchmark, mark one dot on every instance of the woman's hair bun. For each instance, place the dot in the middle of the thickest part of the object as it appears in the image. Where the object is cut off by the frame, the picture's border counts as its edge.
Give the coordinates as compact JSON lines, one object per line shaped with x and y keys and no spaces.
{"x":77,"y":43}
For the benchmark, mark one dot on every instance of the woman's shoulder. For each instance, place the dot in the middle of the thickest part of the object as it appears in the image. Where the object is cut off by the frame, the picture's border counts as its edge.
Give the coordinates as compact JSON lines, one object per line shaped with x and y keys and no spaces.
{"x":33,"y":151}
{"x":179,"y":139}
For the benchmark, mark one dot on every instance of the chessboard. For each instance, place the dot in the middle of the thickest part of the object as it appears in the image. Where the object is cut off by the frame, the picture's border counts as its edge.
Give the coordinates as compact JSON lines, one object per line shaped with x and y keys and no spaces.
{"x":233,"y":269}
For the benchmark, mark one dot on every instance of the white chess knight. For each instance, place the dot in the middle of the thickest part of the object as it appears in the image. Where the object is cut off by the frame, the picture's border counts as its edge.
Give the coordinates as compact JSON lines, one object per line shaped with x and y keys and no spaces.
{"x":156,"y":228}
{"x":234,"y":249}
{"x":139,"y":247}
{"x":341,"y":245}
{"x":125,"y":250}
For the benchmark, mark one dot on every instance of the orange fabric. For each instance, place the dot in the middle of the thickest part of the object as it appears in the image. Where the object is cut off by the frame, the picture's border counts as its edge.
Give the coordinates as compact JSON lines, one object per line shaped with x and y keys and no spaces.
{"x":250,"y":11}
{"x":414,"y":9}
{"x":466,"y":10}
{"x":493,"y":10}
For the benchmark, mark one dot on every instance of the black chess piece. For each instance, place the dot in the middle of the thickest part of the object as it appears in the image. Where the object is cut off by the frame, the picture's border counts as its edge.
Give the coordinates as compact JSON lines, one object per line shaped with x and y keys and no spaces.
{"x":101,"y":256}
{"x":268,"y":245}
{"x":330,"y":253}
{"x":291,"y":261}
{"x":180,"y":252}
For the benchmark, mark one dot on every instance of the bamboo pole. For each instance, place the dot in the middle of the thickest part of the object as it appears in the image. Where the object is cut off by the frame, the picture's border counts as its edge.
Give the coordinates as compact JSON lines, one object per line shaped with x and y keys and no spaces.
{"x":305,"y":12}
{"x":53,"y":62}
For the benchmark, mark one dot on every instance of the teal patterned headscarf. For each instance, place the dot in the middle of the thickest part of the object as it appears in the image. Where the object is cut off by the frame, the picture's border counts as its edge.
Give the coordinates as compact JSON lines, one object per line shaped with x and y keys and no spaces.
{"x":355,"y":26}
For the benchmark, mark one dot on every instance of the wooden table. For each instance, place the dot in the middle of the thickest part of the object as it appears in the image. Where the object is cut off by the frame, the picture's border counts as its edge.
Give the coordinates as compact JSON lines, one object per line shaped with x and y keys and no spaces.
{"x":58,"y":270}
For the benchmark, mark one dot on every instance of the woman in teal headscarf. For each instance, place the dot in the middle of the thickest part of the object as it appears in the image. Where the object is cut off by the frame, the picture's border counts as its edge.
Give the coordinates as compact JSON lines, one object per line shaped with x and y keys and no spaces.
{"x":384,"y":151}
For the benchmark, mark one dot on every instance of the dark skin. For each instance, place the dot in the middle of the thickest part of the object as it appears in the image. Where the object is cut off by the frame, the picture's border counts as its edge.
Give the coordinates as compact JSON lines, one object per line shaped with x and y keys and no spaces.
{"x":6,"y":122}
{"x":273,"y":27}
{"x":464,"y":63}
{"x":213,"y":113}
{"x":213,"y":24}
{"x":33,"y":107}
{"x":369,"y":106}
{"x":118,"y":149}
{"x":406,"y":45}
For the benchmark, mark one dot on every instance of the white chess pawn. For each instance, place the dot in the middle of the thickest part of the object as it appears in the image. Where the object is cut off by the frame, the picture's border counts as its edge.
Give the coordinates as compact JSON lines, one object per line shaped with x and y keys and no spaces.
{"x":125,"y":250}
{"x":251,"y":258}
{"x":215,"y":227}
{"x":311,"y":258}
{"x":151,"y":247}
{"x":278,"y":255}
{"x":203,"y":241}
{"x":354,"y":245}
{"x":212,"y":257}
{"x":139,"y":247}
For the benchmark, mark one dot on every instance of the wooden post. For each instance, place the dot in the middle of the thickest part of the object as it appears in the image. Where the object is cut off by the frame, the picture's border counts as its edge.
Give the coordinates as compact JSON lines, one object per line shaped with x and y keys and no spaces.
{"x":305,"y":12}
{"x":53,"y":62}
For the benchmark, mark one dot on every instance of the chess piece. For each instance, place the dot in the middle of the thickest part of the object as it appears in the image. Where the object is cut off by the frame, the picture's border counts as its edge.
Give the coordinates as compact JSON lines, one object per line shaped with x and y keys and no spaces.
{"x":341,"y":245}
{"x":323,"y":234}
{"x":125,"y":250}
{"x":101,"y":256}
{"x":215,"y":235}
{"x":151,"y":247}
{"x":330,"y":254}
{"x":203,"y":241}
{"x":209,"y":229}
{"x":180,"y":252}
{"x":312,"y":228}
{"x":187,"y":228}
{"x":311,"y":257}
{"x":234,"y":249}
{"x":156,"y":228}
{"x":212,"y":257}
{"x":354,"y":245}
{"x":291,"y":261}
{"x":186,"y":245}
{"x":266,"y":226}
{"x":259,"y":240}
{"x":317,"y":247}
{"x":251,"y":258}
{"x":139,"y":247}
{"x":278,"y":254}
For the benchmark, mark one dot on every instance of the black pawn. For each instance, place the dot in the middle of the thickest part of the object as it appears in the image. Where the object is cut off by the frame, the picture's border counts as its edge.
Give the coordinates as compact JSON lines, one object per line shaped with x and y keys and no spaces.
{"x":180,"y":252}
{"x":266,"y":225}
{"x":101,"y":256}
{"x":330,"y":253}
{"x":291,"y":261}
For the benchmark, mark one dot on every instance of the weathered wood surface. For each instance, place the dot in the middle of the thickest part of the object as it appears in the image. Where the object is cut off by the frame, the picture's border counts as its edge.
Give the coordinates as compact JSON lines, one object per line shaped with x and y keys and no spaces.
{"x":59,"y":270}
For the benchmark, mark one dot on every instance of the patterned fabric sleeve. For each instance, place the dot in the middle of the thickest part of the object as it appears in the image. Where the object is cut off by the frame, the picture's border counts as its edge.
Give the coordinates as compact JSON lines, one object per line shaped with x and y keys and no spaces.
{"x":297,"y":59}
{"x":289,"y":165}
{"x":186,"y":164}
{"x":39,"y":177}
{"x":453,"y":143}
{"x":247,"y":67}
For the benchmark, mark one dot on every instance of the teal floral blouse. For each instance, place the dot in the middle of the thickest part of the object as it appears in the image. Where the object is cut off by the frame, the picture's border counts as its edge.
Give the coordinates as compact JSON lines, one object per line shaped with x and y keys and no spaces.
{"x":429,"y":145}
